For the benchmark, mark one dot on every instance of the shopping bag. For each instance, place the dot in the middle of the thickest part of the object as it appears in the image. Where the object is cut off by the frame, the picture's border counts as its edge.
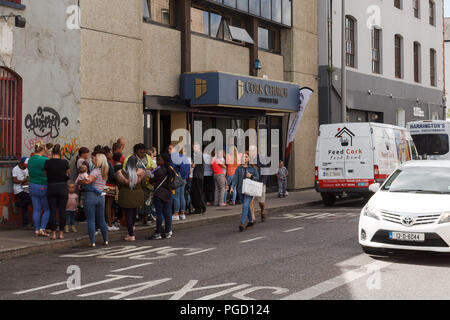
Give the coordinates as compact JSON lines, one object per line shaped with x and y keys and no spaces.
{"x":252,"y":188}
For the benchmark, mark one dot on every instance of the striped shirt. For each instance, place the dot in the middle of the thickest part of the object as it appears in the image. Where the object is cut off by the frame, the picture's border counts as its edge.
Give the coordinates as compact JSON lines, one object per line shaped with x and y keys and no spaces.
{"x":98,"y":183}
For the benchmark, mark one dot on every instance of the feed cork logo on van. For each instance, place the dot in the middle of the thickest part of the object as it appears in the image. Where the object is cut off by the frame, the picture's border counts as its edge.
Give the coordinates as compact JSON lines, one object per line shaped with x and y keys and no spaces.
{"x":346,"y":137}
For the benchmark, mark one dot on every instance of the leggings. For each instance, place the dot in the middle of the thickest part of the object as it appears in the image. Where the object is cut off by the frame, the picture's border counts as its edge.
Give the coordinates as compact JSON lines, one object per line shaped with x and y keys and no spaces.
{"x":57,"y":199}
{"x":130,"y":213}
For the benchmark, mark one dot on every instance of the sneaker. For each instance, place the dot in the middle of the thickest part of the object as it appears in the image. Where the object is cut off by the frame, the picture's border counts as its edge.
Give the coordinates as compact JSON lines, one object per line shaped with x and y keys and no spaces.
{"x":175,"y":218}
{"x":182,"y":217}
{"x":97,"y":232}
{"x":168,"y":235}
{"x":156,"y":236}
{"x":241,"y":227}
{"x":66,"y":229}
{"x":113,"y":228}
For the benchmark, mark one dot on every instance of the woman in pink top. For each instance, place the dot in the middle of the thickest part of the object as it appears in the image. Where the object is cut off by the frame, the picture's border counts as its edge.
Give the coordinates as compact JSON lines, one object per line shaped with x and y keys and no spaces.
{"x":71,"y":209}
{"x":233,"y":161}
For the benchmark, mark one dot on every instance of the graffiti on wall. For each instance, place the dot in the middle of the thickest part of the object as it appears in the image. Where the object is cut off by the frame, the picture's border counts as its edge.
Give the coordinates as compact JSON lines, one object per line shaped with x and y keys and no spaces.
{"x":3,"y":176}
{"x":45,"y":122}
{"x":70,"y":144}
{"x":6,"y":206}
{"x":29,"y":142}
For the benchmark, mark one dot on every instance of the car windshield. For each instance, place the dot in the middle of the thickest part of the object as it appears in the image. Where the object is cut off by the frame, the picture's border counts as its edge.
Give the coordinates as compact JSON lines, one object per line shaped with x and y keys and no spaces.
{"x":431,"y":180}
{"x":431,"y":144}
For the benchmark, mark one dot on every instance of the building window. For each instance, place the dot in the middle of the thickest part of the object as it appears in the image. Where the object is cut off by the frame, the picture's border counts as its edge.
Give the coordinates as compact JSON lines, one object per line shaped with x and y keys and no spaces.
{"x":398,"y":57}
{"x":398,"y":4}
{"x":158,"y":11}
{"x":10,"y":115}
{"x":350,"y":47}
{"x":401,"y":118}
{"x":432,"y":13}
{"x":416,"y":8}
{"x":269,"y":39}
{"x":376,"y":50}
{"x":433,"y":67}
{"x":417,"y":70}
{"x":219,"y":26}
{"x":266,"y":9}
{"x":279,"y":11}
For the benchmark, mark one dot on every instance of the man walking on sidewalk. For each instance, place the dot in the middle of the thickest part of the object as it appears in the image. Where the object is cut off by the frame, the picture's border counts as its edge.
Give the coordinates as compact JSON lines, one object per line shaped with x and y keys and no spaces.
{"x":255,"y":160}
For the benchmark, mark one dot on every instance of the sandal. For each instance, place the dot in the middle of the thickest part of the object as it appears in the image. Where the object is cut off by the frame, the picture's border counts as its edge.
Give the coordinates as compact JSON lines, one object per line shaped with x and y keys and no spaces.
{"x":53,"y":235}
{"x":130,"y":238}
{"x":42,"y":233}
{"x":61,"y":235}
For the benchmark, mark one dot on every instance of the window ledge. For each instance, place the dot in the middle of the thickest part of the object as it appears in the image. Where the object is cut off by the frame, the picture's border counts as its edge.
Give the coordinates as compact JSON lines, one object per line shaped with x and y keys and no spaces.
{"x":12,"y":5}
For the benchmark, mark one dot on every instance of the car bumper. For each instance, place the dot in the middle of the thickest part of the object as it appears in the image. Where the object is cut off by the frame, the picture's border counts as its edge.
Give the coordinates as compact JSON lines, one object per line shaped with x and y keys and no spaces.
{"x":437,"y":236}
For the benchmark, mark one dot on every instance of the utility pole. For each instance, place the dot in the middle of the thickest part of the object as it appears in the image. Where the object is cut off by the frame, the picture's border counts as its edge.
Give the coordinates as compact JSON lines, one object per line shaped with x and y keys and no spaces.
{"x":343,"y":68}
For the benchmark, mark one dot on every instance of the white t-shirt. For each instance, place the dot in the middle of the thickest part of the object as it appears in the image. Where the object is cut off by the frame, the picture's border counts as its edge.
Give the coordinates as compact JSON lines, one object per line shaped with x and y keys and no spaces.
{"x":20,"y":175}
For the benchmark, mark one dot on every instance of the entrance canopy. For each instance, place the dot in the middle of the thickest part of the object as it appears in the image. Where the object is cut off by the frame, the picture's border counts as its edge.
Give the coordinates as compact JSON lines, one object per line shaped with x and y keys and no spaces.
{"x":221,"y":89}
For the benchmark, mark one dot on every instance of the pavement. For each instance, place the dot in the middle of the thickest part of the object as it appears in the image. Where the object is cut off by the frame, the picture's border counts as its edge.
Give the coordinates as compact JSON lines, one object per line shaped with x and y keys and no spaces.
{"x":19,"y":243}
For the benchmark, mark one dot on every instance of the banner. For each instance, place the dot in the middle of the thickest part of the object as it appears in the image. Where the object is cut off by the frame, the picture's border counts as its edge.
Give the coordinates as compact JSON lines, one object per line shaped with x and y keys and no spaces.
{"x":294,"y":120}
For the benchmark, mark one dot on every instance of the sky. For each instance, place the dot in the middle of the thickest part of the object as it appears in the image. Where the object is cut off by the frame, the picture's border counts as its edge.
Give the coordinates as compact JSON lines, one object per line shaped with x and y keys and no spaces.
{"x":447,"y":8}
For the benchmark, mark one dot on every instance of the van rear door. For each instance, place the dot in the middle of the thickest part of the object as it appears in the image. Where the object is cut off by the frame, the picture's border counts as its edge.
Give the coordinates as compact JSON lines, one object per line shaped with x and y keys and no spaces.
{"x":358,"y":155}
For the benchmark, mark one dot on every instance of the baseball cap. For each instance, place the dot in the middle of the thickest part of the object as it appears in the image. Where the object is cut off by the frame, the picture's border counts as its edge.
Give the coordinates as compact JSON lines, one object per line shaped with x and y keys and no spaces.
{"x":24,"y":160}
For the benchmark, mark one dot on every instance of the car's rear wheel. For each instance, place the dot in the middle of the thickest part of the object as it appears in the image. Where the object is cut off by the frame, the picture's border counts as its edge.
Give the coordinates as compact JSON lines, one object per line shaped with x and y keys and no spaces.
{"x":374,"y":251}
{"x":329,"y":199}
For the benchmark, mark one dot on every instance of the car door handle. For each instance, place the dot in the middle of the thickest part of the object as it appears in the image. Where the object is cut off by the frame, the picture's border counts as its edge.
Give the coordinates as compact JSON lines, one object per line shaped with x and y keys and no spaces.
{"x":351,"y":171}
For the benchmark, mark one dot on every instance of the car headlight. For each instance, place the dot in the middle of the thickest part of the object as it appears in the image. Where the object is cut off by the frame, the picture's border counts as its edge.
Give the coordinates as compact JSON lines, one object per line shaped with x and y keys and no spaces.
{"x":445,"y":218}
{"x":372,"y":212}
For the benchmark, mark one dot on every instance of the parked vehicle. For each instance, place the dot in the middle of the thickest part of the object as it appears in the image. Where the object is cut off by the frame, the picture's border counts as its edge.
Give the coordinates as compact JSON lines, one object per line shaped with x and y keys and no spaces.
{"x":431,"y":138}
{"x":410,"y":211}
{"x":352,"y":156}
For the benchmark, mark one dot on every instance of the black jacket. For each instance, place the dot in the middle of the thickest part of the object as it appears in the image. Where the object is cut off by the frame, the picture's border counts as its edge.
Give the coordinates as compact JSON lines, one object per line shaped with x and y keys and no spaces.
{"x":164,"y":192}
{"x":199,"y":167}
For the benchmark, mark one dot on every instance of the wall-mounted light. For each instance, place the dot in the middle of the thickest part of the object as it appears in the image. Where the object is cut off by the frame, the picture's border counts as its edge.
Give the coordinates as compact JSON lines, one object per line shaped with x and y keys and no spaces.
{"x":258,"y":64}
{"x":20,"y":21}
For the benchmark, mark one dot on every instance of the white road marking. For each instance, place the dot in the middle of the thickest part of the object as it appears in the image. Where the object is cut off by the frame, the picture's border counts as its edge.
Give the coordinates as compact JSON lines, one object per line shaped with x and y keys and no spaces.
{"x":202,"y":251}
{"x":133,"y":267}
{"x":251,"y":240}
{"x":337,"y":282}
{"x":292,"y":230}
{"x":42,"y":288}
{"x":114,"y":278}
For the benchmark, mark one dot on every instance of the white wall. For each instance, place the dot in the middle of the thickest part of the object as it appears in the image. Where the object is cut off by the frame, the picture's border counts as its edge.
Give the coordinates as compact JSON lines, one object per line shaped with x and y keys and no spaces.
{"x":392,"y":21}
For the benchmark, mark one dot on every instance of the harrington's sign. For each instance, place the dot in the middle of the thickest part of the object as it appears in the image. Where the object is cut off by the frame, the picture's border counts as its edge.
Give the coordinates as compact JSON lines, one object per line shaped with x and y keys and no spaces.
{"x":224,"y":89}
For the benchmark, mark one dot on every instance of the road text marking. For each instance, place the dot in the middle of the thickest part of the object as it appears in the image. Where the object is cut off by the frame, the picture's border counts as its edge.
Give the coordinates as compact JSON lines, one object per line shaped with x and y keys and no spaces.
{"x":133,"y":267}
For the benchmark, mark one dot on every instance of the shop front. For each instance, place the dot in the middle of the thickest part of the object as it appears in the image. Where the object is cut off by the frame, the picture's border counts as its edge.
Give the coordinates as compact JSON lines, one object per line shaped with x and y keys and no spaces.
{"x":225,"y":101}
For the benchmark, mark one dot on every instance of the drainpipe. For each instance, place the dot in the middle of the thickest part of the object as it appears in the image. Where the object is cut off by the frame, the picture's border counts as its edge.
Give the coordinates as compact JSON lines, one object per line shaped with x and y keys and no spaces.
{"x":343,"y":67}
{"x":330,"y":56}
{"x":444,"y":92}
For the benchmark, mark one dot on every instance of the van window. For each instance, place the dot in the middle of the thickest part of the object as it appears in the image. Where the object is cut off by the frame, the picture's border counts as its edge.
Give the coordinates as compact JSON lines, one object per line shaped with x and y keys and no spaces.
{"x":414,"y":154}
{"x":431,"y":144}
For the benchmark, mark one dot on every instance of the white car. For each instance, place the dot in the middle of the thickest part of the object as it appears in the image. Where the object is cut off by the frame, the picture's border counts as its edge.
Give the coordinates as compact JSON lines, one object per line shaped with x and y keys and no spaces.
{"x":410,"y":211}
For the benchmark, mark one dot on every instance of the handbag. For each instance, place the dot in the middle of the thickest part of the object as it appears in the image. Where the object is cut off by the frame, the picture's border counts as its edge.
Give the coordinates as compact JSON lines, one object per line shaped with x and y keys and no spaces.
{"x":149,"y":201}
{"x":177,"y":181}
{"x":252,"y":188}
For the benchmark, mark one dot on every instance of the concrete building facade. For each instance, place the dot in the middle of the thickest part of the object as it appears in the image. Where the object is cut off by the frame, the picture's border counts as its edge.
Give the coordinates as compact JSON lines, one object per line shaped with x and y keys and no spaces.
{"x":394,"y":58}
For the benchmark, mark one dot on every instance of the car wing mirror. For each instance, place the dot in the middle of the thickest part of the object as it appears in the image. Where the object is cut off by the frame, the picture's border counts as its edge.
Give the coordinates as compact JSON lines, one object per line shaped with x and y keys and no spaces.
{"x":374,"y":187}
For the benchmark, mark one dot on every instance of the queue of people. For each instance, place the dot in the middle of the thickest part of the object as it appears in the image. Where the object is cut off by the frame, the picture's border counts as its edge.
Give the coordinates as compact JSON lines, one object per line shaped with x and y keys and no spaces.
{"x":160,"y":187}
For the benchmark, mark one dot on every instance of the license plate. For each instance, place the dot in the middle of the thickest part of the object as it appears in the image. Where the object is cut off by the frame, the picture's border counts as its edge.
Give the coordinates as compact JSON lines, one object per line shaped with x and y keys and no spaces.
{"x":407,"y":236}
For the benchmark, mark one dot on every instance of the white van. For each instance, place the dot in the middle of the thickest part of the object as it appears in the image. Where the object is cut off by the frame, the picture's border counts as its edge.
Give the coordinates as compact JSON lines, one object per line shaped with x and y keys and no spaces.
{"x":352,"y":156}
{"x":431,"y":138}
